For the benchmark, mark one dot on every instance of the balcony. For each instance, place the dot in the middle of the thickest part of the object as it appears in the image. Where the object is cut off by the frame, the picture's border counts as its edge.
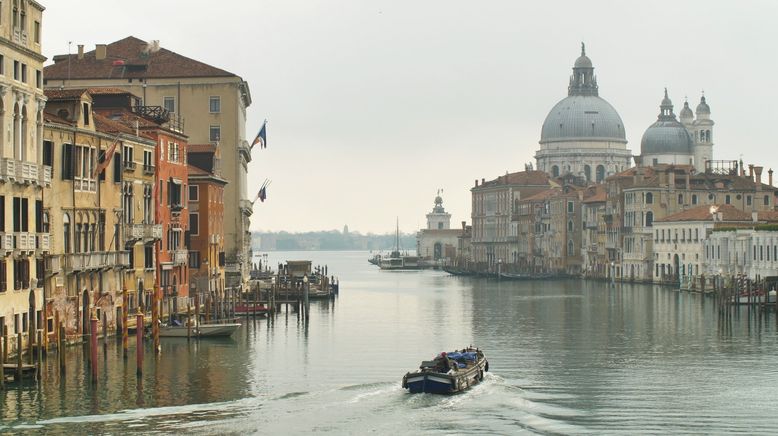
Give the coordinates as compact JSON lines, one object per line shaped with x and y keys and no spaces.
{"x":53,"y":264}
{"x":246,"y":207}
{"x":24,"y":241}
{"x":45,"y":176}
{"x":129,"y":165}
{"x":96,"y":261}
{"x":7,"y":169}
{"x":133,"y":232}
{"x":180,"y":257}
{"x":152,"y":232}
{"x":6,"y":241}
{"x":43,"y":241}
{"x":148,"y":169}
{"x":214,"y":239}
{"x":26,"y":172}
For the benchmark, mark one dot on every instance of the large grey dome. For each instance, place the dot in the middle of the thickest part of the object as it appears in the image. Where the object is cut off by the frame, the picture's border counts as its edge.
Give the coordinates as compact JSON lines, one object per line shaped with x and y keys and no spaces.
{"x":666,"y":135}
{"x":583,"y":117}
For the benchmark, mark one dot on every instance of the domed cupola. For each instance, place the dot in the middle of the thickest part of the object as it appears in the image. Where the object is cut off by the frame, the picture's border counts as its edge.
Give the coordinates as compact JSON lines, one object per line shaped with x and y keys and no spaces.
{"x":667,"y":140}
{"x":703,"y":110}
{"x":686,"y":115}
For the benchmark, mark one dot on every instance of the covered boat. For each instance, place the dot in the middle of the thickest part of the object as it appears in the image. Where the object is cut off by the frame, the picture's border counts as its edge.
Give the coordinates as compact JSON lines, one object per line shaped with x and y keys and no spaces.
{"x":448,"y":373}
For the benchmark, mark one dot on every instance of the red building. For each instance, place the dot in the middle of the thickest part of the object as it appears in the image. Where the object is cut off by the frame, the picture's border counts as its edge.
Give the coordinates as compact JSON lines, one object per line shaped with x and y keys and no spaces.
{"x":206,"y":220}
{"x":169,"y":167}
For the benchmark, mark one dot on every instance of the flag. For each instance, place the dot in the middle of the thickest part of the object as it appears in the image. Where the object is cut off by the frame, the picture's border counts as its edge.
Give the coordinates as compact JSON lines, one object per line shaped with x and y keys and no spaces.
{"x":261,"y":137}
{"x":262,"y":194}
{"x":107,"y":156}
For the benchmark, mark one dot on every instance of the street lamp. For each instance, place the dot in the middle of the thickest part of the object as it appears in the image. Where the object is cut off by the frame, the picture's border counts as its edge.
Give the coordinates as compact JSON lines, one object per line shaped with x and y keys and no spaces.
{"x":499,"y":267}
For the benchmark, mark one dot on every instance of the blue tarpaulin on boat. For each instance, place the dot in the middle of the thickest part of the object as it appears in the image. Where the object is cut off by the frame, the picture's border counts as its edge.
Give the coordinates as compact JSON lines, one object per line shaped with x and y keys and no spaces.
{"x":469,"y":355}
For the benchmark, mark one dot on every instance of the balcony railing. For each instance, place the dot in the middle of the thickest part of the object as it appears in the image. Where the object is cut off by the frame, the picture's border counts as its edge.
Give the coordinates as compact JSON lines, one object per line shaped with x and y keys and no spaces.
{"x":26,"y":172}
{"x":97,"y":260}
{"x":133,"y":232}
{"x":7,"y":168}
{"x":44,"y":241}
{"x":6,"y":241}
{"x":53,"y":264}
{"x":152,"y":231}
{"x":24,"y":241}
{"x":45,"y":176}
{"x":129,"y":165}
{"x":214,"y":238}
{"x":148,"y":169}
{"x":180,"y":257}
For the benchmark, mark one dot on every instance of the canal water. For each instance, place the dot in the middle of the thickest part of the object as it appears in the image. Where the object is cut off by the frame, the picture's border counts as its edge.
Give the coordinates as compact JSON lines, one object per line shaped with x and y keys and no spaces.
{"x":566,"y":357}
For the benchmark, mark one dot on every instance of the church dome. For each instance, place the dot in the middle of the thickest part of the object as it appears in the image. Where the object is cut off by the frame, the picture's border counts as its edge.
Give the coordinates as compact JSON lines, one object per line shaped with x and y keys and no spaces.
{"x":686,"y":112}
{"x":583,"y":115}
{"x":666,"y":135}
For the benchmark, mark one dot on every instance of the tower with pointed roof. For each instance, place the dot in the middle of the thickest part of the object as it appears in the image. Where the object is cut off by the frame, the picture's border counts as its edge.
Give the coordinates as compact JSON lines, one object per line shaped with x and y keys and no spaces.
{"x":702,"y":132}
{"x":583,"y":134}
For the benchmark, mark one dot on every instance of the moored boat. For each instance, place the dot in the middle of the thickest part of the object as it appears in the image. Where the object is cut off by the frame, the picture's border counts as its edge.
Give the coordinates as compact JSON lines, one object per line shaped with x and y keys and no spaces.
{"x":251,"y":310}
{"x":200,"y":330}
{"x":448,"y":373}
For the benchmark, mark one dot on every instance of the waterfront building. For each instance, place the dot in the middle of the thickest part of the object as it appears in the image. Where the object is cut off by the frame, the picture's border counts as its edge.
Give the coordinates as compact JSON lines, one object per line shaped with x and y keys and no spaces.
{"x":684,"y":142}
{"x":593,"y":234}
{"x":750,"y":251}
{"x":495,"y":233}
{"x":531,"y":216}
{"x":24,"y":234}
{"x":583,"y":134}
{"x":206,"y":220}
{"x":93,"y":213}
{"x":679,"y":240}
{"x":164,"y":224}
{"x":212,"y":102}
{"x":438,"y":242}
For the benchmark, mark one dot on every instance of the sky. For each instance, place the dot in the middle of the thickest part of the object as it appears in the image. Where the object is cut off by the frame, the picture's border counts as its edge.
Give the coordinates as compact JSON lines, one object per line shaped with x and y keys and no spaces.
{"x":373,"y":106}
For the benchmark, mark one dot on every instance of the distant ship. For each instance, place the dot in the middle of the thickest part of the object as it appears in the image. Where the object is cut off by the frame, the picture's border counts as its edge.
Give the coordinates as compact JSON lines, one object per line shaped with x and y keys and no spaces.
{"x":396,"y":260}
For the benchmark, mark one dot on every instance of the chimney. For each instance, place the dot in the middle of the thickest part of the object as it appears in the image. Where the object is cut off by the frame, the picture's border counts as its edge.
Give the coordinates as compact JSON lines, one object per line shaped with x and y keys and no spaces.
{"x":758,"y":174}
{"x":464,"y":225}
{"x":476,"y":183}
{"x":81,"y":51}
{"x":770,"y":177}
{"x":751,"y":171}
{"x":483,"y":181}
{"x":101,"y":51}
{"x":688,"y":180}
{"x":671,"y":180}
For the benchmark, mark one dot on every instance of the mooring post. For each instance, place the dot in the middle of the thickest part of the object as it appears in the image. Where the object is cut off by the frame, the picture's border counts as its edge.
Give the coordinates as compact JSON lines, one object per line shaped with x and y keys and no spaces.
{"x":31,"y":344}
{"x":61,"y":338}
{"x":19,"y":350}
{"x":197,"y":307}
{"x":125,"y":319}
{"x":188,"y":321}
{"x":139,"y":342}
{"x":39,"y":371}
{"x":2,"y":362}
{"x":105,"y":332}
{"x":93,"y":345}
{"x":155,"y":306}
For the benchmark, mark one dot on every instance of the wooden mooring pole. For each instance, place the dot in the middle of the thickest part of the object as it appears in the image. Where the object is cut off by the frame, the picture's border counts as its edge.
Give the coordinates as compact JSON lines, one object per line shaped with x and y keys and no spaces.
{"x":125,"y":319}
{"x":93,"y":346}
{"x":61,"y":338}
{"x":2,"y":362}
{"x":38,"y":369}
{"x":139,"y":343}
{"x":19,"y":363}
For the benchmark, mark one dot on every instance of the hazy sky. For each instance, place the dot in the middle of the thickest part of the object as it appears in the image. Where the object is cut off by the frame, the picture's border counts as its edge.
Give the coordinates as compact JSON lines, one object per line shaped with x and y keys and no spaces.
{"x":374,"y":105}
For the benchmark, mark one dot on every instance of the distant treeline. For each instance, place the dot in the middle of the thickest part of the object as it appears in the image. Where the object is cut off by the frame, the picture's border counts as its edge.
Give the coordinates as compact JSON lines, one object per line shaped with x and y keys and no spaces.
{"x":328,"y":240}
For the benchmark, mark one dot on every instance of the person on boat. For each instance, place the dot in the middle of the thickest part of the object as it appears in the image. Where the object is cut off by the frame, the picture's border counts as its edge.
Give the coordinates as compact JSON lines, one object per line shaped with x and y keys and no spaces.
{"x":441,"y":362}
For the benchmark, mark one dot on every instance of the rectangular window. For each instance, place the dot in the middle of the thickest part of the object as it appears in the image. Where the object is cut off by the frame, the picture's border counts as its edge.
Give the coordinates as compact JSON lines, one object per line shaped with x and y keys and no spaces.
{"x":2,"y":65}
{"x":148,"y":256}
{"x":16,"y":70}
{"x":36,"y":29}
{"x":48,"y":153}
{"x":194,"y":259}
{"x":194,"y":223}
{"x":748,"y":200}
{"x":215,"y":133}
{"x":38,"y":216}
{"x":24,"y":73}
{"x":727,"y":199}
{"x":38,"y":79}
{"x":214,"y":104}
{"x":169,"y":103}
{"x":3,"y":276}
{"x":194,"y":193}
{"x":569,"y":207}
{"x":86,"y":114}
{"x":2,"y":213}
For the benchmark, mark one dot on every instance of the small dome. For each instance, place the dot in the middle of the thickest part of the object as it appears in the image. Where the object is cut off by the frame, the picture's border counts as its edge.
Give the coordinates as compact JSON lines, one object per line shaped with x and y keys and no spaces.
{"x":703,"y":107}
{"x":583,"y":61}
{"x":438,"y":200}
{"x":666,"y":137}
{"x":686,"y":112}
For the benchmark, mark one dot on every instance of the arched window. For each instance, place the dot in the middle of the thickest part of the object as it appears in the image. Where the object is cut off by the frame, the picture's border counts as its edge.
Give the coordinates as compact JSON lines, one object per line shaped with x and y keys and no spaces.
{"x":570,"y":248}
{"x":707,"y":136}
{"x":600,"y":173}
{"x":23,"y":134}
{"x":23,"y":16}
{"x":680,"y":199}
{"x":694,"y":198}
{"x":649,"y":198}
{"x":570,"y":226}
{"x":554,"y":171}
{"x":588,"y":173}
{"x":16,"y":131}
{"x":649,"y":218}
{"x":66,"y":232}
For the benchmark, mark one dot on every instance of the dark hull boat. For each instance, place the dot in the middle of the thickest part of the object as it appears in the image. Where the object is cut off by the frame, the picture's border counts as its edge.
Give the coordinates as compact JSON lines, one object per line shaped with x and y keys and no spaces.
{"x":448,"y":374}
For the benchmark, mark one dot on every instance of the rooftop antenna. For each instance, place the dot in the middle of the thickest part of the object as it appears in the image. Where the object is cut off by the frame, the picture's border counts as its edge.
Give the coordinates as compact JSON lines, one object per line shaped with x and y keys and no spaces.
{"x":69,"y":44}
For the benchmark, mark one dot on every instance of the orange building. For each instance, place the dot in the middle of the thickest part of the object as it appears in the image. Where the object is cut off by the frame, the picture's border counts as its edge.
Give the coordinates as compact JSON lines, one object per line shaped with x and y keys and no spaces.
{"x":168,"y":164}
{"x":206,"y":220}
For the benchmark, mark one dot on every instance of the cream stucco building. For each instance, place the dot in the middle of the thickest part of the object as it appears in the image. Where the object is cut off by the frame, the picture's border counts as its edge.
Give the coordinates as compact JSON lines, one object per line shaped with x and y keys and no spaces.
{"x":209,"y":101}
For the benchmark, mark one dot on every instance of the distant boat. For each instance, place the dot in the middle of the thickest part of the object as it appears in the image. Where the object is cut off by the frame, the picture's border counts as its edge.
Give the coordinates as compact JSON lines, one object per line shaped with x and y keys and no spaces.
{"x":457,"y":271}
{"x":397,"y":260}
{"x":200,"y":330}
{"x":251,"y":310}
{"x":448,"y":373}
